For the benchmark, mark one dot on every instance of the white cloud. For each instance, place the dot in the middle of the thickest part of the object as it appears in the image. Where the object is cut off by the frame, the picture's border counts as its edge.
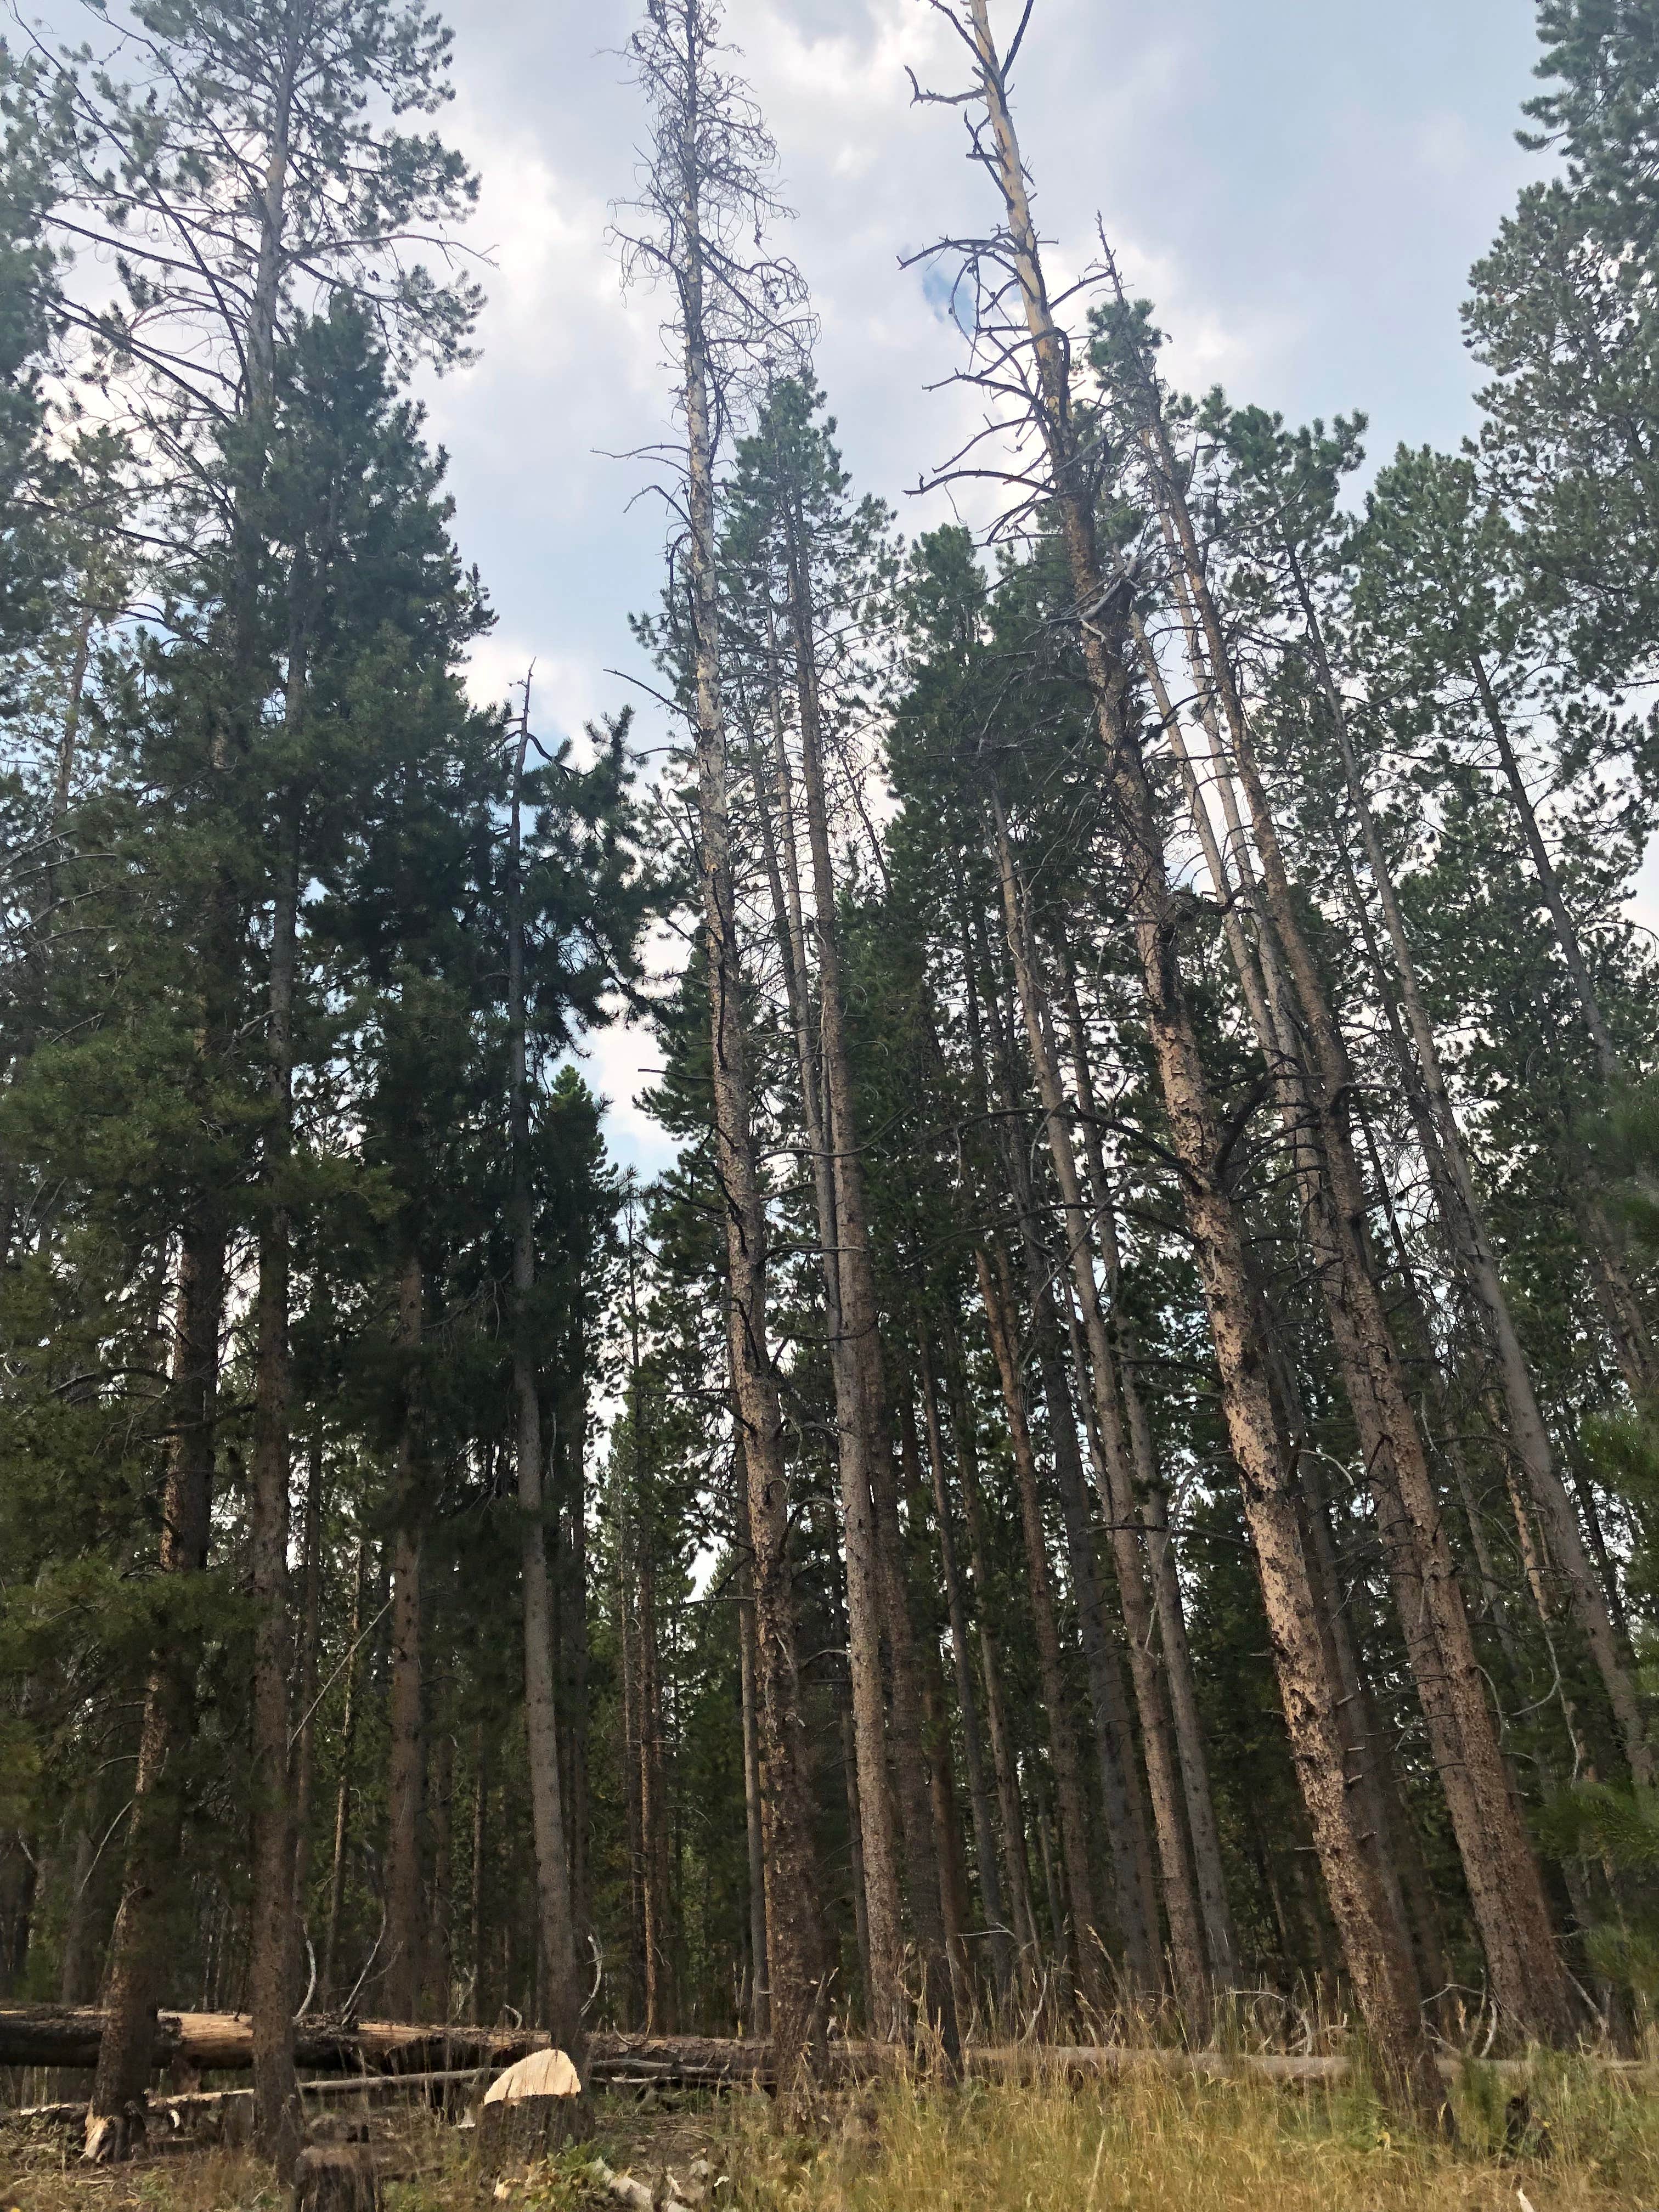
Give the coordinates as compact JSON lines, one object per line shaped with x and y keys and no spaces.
{"x":1301,"y":209}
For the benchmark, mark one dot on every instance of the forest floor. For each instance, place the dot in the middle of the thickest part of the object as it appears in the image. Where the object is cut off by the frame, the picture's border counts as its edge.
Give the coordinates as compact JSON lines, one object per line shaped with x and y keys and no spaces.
{"x":1143,"y":2144}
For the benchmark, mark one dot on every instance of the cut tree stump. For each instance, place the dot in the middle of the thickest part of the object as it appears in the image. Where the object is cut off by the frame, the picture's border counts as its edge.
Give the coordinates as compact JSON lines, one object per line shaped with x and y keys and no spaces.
{"x":531,"y":2127}
{"x":343,"y":2177}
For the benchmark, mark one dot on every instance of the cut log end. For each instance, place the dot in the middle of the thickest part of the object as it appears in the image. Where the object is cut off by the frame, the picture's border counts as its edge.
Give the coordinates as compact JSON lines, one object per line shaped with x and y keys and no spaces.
{"x":343,"y":2177}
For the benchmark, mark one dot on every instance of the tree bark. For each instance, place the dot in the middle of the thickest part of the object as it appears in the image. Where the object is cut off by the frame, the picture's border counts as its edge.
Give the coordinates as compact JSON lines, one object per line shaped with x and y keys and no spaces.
{"x":277,"y":2125}
{"x":1462,"y":1216}
{"x":879,"y":1907}
{"x":303,"y":1754}
{"x":1607,"y":1058}
{"x":406,"y":1769}
{"x":1153,"y":1503}
{"x":866,"y":1443}
{"x":979,"y":1789}
{"x":337,"y":1875}
{"x":138,"y":1952}
{"x":1528,"y":1980}
{"x":475,"y":1917}
{"x":752,"y":1792}
{"x":1386,"y":1997}
{"x":792,"y":1916}
{"x":1077,"y":1934}
{"x":1098,"y":1377}
{"x":561,"y":1989}
{"x":653,"y":1810}
{"x":1003,"y":1756}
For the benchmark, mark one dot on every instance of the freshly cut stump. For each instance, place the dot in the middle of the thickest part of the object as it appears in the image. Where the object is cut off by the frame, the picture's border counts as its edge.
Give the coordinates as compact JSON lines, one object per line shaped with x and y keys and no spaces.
{"x":531,"y":2127}
{"x":535,"y":2108}
{"x":341,"y":2177}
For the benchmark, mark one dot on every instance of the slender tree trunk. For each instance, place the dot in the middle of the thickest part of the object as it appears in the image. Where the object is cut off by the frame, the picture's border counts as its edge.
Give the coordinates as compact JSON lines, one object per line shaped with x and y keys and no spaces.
{"x":792,"y":1914}
{"x":954,"y":1909}
{"x":628,"y":1642}
{"x":1122,"y":1797}
{"x":867,"y":1444}
{"x":878,"y":1906}
{"x":1003,"y":1756}
{"x":561,"y":1987}
{"x":653,"y":1811}
{"x":578,"y":1710}
{"x":1462,"y":1216}
{"x":275,"y":2091}
{"x":76,"y":1973}
{"x":1527,"y":1978}
{"x":303,"y":1755}
{"x":440,"y":1950}
{"x":1382,"y":1984}
{"x":979,"y":1789}
{"x":1153,"y":1503}
{"x":475,"y":1917}
{"x":139,"y":1950}
{"x":406,"y":1770}
{"x":1607,"y":1058}
{"x":752,"y":1789}
{"x":1077,"y":1934}
{"x":1098,"y":1377}
{"x":343,"y":1794}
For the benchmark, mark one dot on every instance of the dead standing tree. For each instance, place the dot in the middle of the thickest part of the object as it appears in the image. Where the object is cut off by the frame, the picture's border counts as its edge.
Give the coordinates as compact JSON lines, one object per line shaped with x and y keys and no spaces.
{"x":1037,"y":444}
{"x":705,"y":200}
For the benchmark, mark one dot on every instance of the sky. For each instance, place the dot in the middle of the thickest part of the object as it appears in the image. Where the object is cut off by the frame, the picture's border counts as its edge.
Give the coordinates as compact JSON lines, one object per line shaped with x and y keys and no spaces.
{"x":1299,"y":186}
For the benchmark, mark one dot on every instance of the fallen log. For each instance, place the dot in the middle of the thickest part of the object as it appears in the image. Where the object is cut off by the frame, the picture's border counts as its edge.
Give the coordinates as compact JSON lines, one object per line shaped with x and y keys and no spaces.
{"x":53,"y":2035}
{"x":194,"y":2104}
{"x":223,"y":2043}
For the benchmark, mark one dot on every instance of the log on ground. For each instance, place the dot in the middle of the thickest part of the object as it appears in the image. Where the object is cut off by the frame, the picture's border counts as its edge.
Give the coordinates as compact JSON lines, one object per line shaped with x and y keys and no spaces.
{"x":68,"y":2035}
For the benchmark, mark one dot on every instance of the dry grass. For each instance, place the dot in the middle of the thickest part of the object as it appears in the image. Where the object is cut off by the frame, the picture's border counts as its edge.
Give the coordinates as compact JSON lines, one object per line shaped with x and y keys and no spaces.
{"x":1148,"y":2144}
{"x":1151,"y":2144}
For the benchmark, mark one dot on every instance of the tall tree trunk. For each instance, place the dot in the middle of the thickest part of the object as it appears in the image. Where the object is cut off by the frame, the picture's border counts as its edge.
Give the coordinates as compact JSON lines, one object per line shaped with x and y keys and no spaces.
{"x":578,"y":1704}
{"x":1122,"y":1796}
{"x":879,"y":1903}
{"x":440,"y":1949}
{"x":561,"y":1988}
{"x":303,"y":1754}
{"x":979,"y":1789}
{"x":1098,"y":1377}
{"x":1153,"y":1503}
{"x":937,"y":1748}
{"x":1077,"y":1934}
{"x":406,"y":1769}
{"x":1462,"y":1216}
{"x":139,"y":1950}
{"x":791,"y":1915}
{"x":866,"y":1443}
{"x":1528,"y":1980}
{"x":1003,"y":1756}
{"x":475,"y":1917}
{"x":275,"y":2091}
{"x":77,"y":1978}
{"x":336,"y":1874}
{"x":1584,"y":989}
{"x":752,"y":1789}
{"x":1382,"y":1982}
{"x":653,"y":1809}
